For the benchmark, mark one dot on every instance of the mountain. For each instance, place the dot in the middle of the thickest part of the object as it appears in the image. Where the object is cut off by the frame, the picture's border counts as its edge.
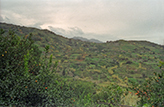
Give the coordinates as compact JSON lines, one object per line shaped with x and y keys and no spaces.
{"x":87,"y":40}
{"x":95,"y":41}
{"x":97,"y":62}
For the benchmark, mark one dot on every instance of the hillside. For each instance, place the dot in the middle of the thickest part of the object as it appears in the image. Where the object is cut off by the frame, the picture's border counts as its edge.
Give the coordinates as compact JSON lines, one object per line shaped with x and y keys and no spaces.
{"x":97,"y":62}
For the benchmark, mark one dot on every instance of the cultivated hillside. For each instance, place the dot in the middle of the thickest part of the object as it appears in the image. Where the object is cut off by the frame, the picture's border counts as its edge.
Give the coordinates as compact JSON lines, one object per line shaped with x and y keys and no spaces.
{"x":114,"y":61}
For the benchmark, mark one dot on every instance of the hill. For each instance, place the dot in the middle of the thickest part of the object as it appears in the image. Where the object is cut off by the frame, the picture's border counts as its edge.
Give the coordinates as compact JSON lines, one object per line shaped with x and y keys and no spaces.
{"x":101,"y":63}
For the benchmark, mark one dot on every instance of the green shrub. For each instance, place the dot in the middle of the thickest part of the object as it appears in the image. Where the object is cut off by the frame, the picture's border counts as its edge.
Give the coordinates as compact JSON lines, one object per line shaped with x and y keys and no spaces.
{"x":82,"y":88}
{"x":83,"y":91}
{"x":132,"y":80}
{"x":151,"y":91}
{"x":110,"y":95}
{"x":26,"y":78}
{"x":16,"y":62}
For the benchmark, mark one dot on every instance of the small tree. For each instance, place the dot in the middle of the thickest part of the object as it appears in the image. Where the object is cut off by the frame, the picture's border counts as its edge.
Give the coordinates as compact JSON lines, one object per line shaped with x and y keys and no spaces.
{"x":26,"y":79}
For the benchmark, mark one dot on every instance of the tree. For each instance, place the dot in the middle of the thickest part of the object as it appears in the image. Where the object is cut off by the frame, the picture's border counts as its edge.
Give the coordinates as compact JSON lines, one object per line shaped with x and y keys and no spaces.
{"x":27,"y":78}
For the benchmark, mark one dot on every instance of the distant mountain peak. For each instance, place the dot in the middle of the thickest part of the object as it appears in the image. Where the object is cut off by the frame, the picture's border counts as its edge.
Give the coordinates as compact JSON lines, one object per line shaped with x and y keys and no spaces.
{"x":87,"y":40}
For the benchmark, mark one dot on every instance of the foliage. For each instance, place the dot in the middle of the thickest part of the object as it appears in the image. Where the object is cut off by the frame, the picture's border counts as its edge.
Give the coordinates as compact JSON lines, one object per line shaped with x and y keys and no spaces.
{"x":151,"y":91}
{"x":132,"y":80}
{"x":25,"y":69}
{"x":82,"y":88}
{"x":130,"y":57}
{"x":83,"y":92}
{"x":110,"y":94}
{"x":26,"y":79}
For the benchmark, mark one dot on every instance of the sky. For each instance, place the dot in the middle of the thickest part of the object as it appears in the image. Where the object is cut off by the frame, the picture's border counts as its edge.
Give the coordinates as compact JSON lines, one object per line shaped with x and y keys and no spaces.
{"x":105,"y":20}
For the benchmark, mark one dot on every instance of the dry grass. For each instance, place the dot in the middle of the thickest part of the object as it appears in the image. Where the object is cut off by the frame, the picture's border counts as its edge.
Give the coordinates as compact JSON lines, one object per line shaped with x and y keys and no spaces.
{"x":130,"y":99}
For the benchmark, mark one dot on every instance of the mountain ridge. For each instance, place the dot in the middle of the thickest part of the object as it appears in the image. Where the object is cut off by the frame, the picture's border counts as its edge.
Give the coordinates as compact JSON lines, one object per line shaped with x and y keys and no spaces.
{"x":108,"y":41}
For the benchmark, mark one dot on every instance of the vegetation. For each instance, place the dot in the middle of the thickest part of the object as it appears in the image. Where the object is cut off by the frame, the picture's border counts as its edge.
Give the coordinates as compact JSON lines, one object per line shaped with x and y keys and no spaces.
{"x":26,"y":80}
{"x":151,"y":91}
{"x":45,"y":69}
{"x":96,"y":61}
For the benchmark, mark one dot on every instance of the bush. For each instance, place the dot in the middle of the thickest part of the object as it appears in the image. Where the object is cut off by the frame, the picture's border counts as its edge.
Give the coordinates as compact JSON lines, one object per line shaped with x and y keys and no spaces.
{"x":26,"y":78}
{"x":82,"y":88}
{"x":15,"y":66}
{"x":110,"y":95}
{"x":151,"y":91}
{"x":132,"y":80}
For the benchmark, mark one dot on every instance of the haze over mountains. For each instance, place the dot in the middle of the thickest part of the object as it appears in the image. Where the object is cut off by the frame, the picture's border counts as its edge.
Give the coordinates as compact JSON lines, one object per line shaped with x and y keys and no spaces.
{"x":112,"y":20}
{"x":87,"y":40}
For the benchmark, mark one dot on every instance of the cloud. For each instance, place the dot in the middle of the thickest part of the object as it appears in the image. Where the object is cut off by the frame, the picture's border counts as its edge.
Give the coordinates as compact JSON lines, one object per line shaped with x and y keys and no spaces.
{"x":59,"y":31}
{"x":71,"y":32}
{"x":1,"y":19}
{"x":103,"y":19}
{"x":76,"y":31}
{"x":37,"y":25}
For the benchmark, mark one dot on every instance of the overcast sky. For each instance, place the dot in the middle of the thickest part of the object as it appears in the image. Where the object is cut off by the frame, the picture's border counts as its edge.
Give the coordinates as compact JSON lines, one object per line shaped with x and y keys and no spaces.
{"x":105,"y":20}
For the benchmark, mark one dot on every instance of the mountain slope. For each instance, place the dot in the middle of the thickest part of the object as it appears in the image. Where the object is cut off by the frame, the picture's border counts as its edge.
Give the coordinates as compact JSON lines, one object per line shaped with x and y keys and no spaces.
{"x":97,"y":62}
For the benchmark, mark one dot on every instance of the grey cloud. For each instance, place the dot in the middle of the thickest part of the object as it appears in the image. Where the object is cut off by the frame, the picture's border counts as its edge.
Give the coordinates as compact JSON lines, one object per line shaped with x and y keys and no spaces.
{"x":5,"y":19}
{"x":59,"y":31}
{"x":71,"y":32}
{"x":32,"y":10}
{"x":76,"y":31}
{"x":1,"y":18}
{"x":37,"y":25}
{"x":99,"y":19}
